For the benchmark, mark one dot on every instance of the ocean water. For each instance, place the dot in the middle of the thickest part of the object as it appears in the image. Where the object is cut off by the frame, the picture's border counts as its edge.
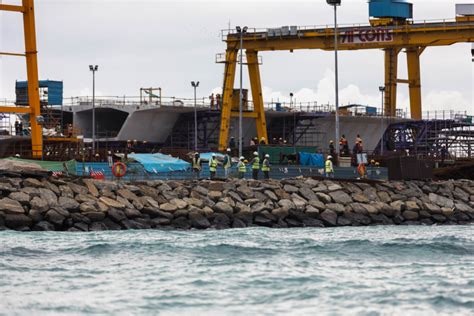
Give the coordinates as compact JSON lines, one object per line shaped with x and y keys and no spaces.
{"x":383,"y":270}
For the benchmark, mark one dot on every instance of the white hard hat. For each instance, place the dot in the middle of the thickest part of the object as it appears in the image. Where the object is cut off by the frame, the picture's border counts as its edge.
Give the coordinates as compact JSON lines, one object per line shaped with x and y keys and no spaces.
{"x":329,"y":157}
{"x":242,"y":158}
{"x":228,"y":149}
{"x":267,"y":156}
{"x":255,"y":153}
{"x":213,"y":155}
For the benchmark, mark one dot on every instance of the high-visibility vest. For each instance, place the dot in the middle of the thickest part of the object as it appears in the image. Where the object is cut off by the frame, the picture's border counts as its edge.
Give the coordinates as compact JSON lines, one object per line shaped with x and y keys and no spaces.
{"x":256,"y":163}
{"x":197,"y":163}
{"x":213,"y":165}
{"x":329,"y":166}
{"x":242,"y":167}
{"x":228,"y":163}
{"x":266,"y":165}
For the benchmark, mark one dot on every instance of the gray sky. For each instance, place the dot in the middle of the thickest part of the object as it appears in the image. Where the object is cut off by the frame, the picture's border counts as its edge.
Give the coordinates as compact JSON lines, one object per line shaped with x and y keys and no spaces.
{"x":169,"y":43}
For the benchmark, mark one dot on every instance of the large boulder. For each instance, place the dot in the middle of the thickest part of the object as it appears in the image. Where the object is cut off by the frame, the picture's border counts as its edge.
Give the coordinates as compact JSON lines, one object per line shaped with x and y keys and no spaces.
{"x":441,"y":201}
{"x":340,"y":197}
{"x":21,"y":197}
{"x":9,"y":206}
{"x":68,"y":203}
{"x":199,"y":221}
{"x":17,"y":221}
{"x":329,"y":217}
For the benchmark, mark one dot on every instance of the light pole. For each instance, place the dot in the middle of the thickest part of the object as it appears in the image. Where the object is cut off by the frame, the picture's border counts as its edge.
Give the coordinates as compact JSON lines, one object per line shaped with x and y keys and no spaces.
{"x":382,"y":90}
{"x":195,"y":85}
{"x":335,"y":4}
{"x":241,"y":32}
{"x":291,"y":99}
{"x":93,"y":68}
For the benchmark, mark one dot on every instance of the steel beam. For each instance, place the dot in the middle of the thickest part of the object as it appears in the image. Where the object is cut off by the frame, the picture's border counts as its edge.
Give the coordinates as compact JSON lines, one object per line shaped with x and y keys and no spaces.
{"x":229,"y":78}
{"x":391,"y":73}
{"x":14,"y":109}
{"x":414,"y":78}
{"x":12,"y":8}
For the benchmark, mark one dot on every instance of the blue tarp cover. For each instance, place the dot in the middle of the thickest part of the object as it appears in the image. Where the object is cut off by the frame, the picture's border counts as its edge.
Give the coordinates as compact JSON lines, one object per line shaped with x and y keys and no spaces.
{"x":309,"y":159}
{"x":156,"y":163}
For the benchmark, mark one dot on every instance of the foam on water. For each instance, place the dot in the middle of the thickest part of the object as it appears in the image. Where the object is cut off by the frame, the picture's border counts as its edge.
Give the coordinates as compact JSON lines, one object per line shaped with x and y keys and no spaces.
{"x":362,"y":271}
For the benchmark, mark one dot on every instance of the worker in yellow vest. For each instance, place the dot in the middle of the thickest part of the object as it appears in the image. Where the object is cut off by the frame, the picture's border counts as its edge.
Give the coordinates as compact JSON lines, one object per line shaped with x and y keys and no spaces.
{"x":213,"y":166}
{"x":329,"y":169}
{"x":227,"y":163}
{"x":266,"y":167}
{"x":196,"y":164}
{"x":241,"y":167}
{"x":255,"y":162}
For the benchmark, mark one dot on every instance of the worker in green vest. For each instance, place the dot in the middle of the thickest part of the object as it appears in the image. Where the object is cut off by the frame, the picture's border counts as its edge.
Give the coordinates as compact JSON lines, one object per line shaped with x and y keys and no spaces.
{"x":196,"y":164}
{"x":255,"y":162}
{"x":227,"y":163}
{"x":328,"y":167}
{"x":241,"y":167}
{"x":213,"y":166}
{"x":266,"y":167}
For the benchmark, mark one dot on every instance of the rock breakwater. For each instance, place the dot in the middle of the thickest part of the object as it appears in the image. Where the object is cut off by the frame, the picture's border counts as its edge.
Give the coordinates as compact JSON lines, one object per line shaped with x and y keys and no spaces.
{"x":79,"y":205}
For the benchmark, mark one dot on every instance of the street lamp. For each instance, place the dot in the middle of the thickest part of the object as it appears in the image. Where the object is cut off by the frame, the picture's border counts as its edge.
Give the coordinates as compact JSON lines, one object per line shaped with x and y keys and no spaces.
{"x":335,"y":4}
{"x":241,"y":32}
{"x":291,"y":99}
{"x":93,"y":68}
{"x":195,"y":85}
{"x":382,"y":90}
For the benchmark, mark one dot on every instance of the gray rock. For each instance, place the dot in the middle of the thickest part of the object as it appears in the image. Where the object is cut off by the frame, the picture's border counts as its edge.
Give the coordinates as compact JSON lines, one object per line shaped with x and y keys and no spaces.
{"x":334,"y":187}
{"x":287,"y":204}
{"x":340,"y":197}
{"x":111,"y":225}
{"x":312,"y":211}
{"x":225,"y":208}
{"x":317,"y":204}
{"x":272,"y":196}
{"x":381,"y":219}
{"x":181,"y":213}
{"x":441,"y":201}
{"x":399,"y":206}
{"x":112,"y":203}
{"x":384,"y":197}
{"x":87,"y":207}
{"x":245,"y":192}
{"x":43,"y":226}
{"x":116,"y":215}
{"x":312,"y":222}
{"x":323,"y":197}
{"x":31,"y":182}
{"x":343,"y":221}
{"x":55,"y":218}
{"x":95,"y":216}
{"x":329,"y":217}
{"x":21,"y":197}
{"x":238,"y":223}
{"x":290,"y":188}
{"x":432,"y":208}
{"x":68,"y":203}
{"x":180,"y":204}
{"x":168,"y":207}
{"x":261,"y":220}
{"x":77,"y":189}
{"x":17,"y":221}
{"x":410,"y":215}
{"x":438,"y":218}
{"x":221,"y":221}
{"x":9,"y":206}
{"x":35,"y":215}
{"x":197,"y":220}
{"x":132,"y":213}
{"x":280,"y":213}
{"x":360,"y":198}
{"x":338,"y":208}
{"x":412,"y":206}
{"x":357,"y":219}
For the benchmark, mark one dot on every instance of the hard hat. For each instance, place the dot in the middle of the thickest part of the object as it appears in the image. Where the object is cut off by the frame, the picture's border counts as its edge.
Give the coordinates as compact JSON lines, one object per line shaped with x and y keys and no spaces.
{"x":263,"y":138}
{"x":213,"y":155}
{"x":329,"y":157}
{"x":331,"y":141}
{"x":255,"y":153}
{"x":242,"y":158}
{"x":267,"y":156}
{"x":228,"y":149}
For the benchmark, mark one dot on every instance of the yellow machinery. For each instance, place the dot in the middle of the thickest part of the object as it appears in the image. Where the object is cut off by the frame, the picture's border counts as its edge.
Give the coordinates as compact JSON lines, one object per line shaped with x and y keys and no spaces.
{"x":392,"y":39}
{"x":27,"y":9}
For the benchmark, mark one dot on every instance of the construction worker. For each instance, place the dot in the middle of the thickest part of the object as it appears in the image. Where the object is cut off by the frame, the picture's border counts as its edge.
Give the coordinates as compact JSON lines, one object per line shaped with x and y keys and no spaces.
{"x":266,"y":167}
{"x":329,"y":169}
{"x":242,"y":168}
{"x":227,"y":163}
{"x":232,"y":143}
{"x":213,"y":166}
{"x":196,"y":165}
{"x":332,"y":150}
{"x":255,"y":162}
{"x":17,"y":128}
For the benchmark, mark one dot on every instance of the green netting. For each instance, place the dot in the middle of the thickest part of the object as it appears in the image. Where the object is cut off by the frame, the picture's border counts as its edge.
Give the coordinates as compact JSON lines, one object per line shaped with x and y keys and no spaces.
{"x":275,"y":152}
{"x":51,"y":165}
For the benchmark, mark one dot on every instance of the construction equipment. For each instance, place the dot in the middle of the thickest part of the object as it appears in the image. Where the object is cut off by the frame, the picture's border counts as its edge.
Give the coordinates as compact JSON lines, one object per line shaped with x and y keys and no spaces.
{"x":33,"y":109}
{"x":399,"y":34}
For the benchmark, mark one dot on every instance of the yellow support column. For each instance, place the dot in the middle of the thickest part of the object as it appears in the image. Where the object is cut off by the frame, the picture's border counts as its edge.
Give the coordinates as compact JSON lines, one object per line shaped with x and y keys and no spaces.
{"x":32,"y":73}
{"x":256,"y":86}
{"x":391,"y":73}
{"x":414,"y":79}
{"x":229,"y":78}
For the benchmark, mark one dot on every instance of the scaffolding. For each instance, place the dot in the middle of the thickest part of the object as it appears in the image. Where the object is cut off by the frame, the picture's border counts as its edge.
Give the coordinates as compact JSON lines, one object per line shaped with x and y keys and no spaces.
{"x":432,"y":139}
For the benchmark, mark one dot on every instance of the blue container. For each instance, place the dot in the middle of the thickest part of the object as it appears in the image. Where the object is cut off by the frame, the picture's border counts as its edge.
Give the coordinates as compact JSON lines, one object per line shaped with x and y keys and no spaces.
{"x":54,"y":88}
{"x":401,"y":9}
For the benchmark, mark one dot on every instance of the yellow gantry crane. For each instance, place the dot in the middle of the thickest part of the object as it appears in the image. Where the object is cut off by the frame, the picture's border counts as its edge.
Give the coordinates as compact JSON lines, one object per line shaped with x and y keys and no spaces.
{"x":27,"y":9}
{"x":392,"y":39}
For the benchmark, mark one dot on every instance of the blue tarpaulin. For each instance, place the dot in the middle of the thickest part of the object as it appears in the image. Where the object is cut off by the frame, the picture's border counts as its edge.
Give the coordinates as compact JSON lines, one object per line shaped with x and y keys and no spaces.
{"x":157,"y":163}
{"x":309,"y":159}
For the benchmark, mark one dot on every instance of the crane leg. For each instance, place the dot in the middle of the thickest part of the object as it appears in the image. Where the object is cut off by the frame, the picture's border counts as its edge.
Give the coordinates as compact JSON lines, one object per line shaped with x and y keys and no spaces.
{"x":256,"y":86}
{"x":32,"y":74}
{"x":414,"y":79}
{"x":391,"y":73}
{"x":229,"y":78}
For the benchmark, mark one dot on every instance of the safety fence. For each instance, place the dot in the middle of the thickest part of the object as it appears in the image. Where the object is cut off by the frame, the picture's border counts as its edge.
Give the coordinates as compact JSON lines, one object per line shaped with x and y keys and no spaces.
{"x":136,"y":171}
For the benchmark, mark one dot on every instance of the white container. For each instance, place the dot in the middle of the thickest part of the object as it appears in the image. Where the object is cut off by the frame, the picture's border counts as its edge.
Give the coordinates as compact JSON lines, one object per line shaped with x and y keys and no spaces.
{"x":465,"y":9}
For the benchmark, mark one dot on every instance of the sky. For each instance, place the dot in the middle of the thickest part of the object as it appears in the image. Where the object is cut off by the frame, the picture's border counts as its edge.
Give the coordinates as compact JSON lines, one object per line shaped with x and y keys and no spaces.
{"x":168,"y":44}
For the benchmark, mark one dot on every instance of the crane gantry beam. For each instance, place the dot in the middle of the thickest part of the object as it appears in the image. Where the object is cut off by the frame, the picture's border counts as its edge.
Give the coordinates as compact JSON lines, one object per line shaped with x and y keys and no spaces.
{"x":392,"y":39}
{"x":29,"y":30}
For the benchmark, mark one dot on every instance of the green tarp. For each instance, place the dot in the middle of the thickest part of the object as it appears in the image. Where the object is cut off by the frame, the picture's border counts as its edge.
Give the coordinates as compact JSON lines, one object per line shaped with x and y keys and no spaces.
{"x":51,"y":165}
